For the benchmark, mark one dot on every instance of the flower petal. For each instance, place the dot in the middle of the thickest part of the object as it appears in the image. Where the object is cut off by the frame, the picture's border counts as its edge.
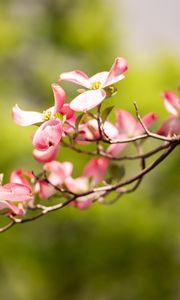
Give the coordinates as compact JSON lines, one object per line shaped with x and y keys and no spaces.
{"x":66,"y":110}
{"x":172,"y":103}
{"x":101,"y":77}
{"x":77,"y":185}
{"x":110,"y":130}
{"x":44,"y":189}
{"x":58,"y":171}
{"x":96,"y":169}
{"x":26,"y":118}
{"x":170,"y":126}
{"x":119,"y":67}
{"x":88,"y":100}
{"x":59,"y":97}
{"x":116,"y":149}
{"x":10,"y":209}
{"x":126,"y":123}
{"x":47,"y":155}
{"x":48,"y":134}
{"x":77,"y":77}
{"x":15,"y":192}
{"x":148,"y":120}
{"x":17,"y":177}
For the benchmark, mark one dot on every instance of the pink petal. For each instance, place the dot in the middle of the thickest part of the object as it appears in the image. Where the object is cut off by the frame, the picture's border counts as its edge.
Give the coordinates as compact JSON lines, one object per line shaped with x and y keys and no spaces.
{"x":126,"y":123}
{"x":110,"y":130}
{"x":48,"y":134}
{"x":96,"y":169}
{"x":10,"y":209}
{"x":59,"y":97}
{"x":88,"y":100}
{"x":170,"y":126}
{"x":83,"y":204}
{"x":77,"y":185}
{"x":15,"y":192}
{"x":18,"y":177}
{"x":148,"y":120}
{"x":26,"y":118}
{"x":116,"y":149}
{"x":77,"y":77}
{"x":44,"y":189}
{"x":66,"y":110}
{"x":119,"y":67}
{"x":58,"y":171}
{"x":99,"y":77}
{"x":172,"y":103}
{"x":70,"y":126}
{"x":47,"y":155}
{"x":86,"y":201}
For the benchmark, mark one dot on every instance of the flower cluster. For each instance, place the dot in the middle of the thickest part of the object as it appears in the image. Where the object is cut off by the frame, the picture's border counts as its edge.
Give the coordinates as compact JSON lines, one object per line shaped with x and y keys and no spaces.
{"x":81,"y":125}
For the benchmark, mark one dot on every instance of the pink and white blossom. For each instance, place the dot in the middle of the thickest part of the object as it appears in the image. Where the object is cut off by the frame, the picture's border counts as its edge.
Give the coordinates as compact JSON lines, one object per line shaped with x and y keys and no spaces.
{"x":95,"y":85}
{"x":44,"y":156}
{"x":47,"y":137}
{"x":128,"y":127}
{"x":58,"y":172}
{"x":26,"y":118}
{"x":90,"y":130}
{"x":171,"y":125}
{"x":12,"y":196}
{"x":95,"y":169}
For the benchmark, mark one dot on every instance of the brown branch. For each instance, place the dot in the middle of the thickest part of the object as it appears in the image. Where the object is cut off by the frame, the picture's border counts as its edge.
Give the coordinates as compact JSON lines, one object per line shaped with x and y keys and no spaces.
{"x":105,"y":190}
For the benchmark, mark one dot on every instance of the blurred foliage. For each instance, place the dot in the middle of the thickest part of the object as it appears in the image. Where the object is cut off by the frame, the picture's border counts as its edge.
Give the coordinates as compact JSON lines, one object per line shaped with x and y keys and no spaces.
{"x":127,"y":251}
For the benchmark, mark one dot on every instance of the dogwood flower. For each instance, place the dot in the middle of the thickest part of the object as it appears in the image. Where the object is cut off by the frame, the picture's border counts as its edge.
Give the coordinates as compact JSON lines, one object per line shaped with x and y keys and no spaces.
{"x":46,"y":139}
{"x":128,"y":127}
{"x":12,"y":196}
{"x":96,"y":84}
{"x":60,"y":176}
{"x":96,"y":169}
{"x":42,"y":187}
{"x":90,"y":130}
{"x":172,"y":124}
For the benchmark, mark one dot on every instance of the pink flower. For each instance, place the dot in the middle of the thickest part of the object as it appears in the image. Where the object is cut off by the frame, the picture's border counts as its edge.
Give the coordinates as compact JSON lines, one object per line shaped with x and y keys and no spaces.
{"x":11,"y":197}
{"x":90,"y":130}
{"x":77,"y":185}
{"x":128,"y":127}
{"x":18,"y":176}
{"x":9,"y":209}
{"x":46,"y":155}
{"x":15,"y":192}
{"x":96,"y":84}
{"x":26,"y":118}
{"x":84,"y":202}
{"x":44,"y":189}
{"x":58,"y":172}
{"x":47,"y":137}
{"x":46,"y":140}
{"x":172,"y":124}
{"x":95,"y":169}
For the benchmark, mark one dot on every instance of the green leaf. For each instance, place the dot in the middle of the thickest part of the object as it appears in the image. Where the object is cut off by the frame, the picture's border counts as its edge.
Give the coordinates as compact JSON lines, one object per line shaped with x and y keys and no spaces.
{"x":78,"y":120}
{"x":106,"y":113}
{"x":82,"y":118}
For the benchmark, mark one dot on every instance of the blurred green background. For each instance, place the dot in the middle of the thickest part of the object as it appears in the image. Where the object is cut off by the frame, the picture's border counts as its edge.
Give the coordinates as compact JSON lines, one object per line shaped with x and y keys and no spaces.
{"x":127,"y":251}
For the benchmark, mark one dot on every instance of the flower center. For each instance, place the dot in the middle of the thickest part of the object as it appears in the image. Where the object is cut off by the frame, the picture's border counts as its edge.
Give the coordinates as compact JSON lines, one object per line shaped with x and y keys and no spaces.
{"x":47,"y":114}
{"x":95,"y":85}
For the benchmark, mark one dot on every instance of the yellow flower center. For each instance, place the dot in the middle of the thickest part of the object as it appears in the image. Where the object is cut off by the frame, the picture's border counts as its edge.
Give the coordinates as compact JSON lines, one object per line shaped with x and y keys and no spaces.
{"x":47,"y":115}
{"x":95,"y":85}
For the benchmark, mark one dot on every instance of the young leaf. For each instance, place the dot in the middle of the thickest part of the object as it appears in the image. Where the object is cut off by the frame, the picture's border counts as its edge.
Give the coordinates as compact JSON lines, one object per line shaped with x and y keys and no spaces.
{"x":106,"y":113}
{"x":78,"y":120}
